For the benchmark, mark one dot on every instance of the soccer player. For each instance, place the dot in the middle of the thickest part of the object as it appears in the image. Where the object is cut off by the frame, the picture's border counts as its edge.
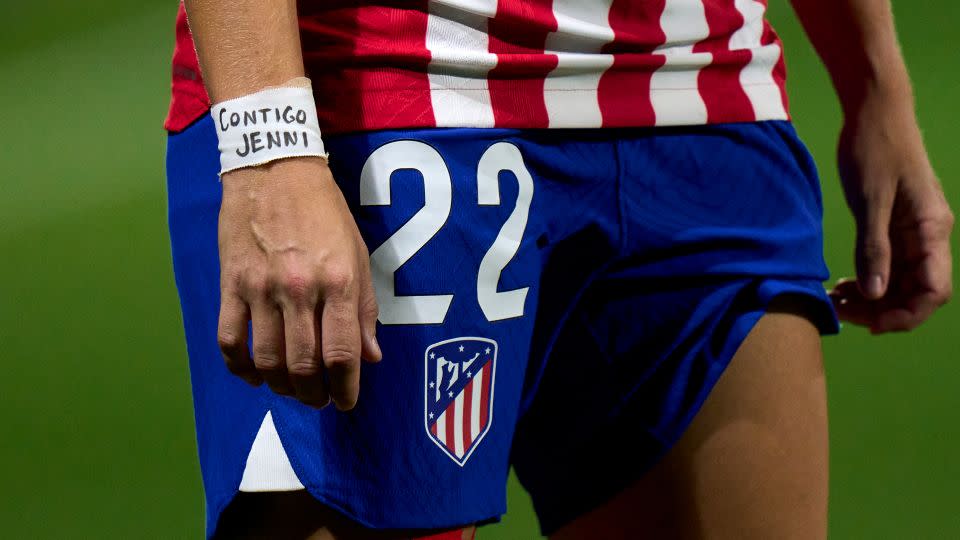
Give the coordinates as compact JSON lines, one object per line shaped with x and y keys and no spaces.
{"x":595,"y":255}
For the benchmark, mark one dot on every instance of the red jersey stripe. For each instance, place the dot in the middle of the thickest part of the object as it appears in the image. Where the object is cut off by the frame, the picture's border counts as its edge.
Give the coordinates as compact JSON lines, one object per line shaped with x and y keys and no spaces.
{"x":518,"y":35}
{"x":189,"y":98}
{"x":449,"y":412}
{"x":485,"y":397}
{"x":719,"y":82}
{"x":342,"y":43}
{"x":467,"y":411}
{"x":624,"y":89}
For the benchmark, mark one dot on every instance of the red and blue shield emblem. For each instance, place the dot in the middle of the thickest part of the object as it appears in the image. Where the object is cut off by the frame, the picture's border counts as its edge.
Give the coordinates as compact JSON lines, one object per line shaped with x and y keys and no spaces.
{"x":458,"y":394}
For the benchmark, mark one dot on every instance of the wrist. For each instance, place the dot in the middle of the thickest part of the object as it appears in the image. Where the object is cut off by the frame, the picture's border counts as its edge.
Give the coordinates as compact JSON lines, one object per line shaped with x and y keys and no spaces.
{"x":876,"y":89}
{"x":272,"y":124}
{"x":277,"y":172}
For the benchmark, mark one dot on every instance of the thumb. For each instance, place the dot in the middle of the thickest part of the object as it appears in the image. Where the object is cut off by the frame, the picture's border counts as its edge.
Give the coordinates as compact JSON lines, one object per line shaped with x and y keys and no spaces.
{"x":873,"y":247}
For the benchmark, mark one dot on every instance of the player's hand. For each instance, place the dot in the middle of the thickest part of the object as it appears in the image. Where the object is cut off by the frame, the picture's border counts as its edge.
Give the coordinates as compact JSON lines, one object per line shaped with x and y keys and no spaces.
{"x":293,"y":263}
{"x":903,"y":221}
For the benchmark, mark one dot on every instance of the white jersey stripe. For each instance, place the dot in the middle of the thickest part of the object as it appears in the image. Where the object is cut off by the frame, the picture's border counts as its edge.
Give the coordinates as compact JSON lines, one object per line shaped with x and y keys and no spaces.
{"x":757,"y":76}
{"x":477,"y":383}
{"x":458,"y":425}
{"x":442,"y":427}
{"x":674,"y":90}
{"x":570,"y":90}
{"x":458,"y":44}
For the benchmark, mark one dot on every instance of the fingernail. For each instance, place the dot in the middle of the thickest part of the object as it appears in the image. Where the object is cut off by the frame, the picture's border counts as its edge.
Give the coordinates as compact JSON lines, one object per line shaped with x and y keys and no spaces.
{"x":875,"y":286}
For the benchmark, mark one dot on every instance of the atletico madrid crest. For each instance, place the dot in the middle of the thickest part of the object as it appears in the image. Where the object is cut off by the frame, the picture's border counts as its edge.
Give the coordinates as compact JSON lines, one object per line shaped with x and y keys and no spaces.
{"x":458,"y":394}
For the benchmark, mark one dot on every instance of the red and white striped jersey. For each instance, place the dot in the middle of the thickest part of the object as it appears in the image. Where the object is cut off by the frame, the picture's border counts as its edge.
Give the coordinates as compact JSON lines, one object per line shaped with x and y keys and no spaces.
{"x":382,"y":64}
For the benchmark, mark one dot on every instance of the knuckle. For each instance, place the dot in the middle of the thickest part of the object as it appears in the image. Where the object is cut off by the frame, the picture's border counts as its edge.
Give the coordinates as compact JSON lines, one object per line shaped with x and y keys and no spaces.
{"x":231,"y":281}
{"x":370,"y":308}
{"x":364,"y":250}
{"x":255,"y":284}
{"x":304,"y":351}
{"x":304,"y":367}
{"x":267,"y":361}
{"x":936,"y":227}
{"x":944,"y":296}
{"x":946,"y":222}
{"x":230,"y":276}
{"x":908,"y":323}
{"x":339,"y":358}
{"x":295,"y":285}
{"x":907,"y":326}
{"x":338,"y":278}
{"x":892,"y":327}
{"x":873,"y":249}
{"x":231,"y":288}
{"x":229,"y":342}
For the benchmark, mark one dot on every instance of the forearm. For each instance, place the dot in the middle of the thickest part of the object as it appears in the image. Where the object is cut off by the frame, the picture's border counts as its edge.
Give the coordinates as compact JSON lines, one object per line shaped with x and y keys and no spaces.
{"x":245,"y":45}
{"x":858,"y":44}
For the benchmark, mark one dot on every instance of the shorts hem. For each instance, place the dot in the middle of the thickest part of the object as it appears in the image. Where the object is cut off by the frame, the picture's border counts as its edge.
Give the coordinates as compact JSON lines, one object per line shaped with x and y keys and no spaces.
{"x":824,"y":319}
{"x":325,"y":495}
{"x":322,"y":495}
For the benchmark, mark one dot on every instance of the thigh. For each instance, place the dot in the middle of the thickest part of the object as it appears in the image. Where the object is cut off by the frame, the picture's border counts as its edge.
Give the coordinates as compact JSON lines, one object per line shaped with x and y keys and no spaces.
{"x":753,"y":464}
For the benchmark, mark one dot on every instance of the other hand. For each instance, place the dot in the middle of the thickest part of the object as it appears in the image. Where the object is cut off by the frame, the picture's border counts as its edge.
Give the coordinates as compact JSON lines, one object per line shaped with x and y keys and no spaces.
{"x":903,"y":258}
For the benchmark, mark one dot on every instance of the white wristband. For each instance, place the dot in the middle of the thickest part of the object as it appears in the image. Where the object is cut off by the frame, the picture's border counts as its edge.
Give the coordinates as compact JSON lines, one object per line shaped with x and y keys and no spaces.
{"x":268,"y":125}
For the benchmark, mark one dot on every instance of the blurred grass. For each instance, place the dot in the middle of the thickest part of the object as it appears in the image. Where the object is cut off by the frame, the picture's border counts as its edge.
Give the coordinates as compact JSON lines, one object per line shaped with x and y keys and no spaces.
{"x":95,"y":393}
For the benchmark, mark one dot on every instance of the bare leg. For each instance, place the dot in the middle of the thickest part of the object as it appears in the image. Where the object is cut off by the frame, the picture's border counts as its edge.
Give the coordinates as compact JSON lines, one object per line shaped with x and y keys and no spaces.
{"x":753,"y":464}
{"x":296,"y":515}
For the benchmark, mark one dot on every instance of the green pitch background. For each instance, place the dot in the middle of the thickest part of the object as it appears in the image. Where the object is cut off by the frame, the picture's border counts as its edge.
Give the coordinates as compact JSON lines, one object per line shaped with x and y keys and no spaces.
{"x":97,"y":437}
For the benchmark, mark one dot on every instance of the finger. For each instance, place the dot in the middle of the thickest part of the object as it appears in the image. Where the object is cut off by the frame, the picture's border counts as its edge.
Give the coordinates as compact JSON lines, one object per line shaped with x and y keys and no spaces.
{"x":851,"y":306}
{"x":901,"y":319}
{"x":845,"y":287}
{"x":925,"y":288}
{"x":232,"y":338}
{"x":268,"y":344}
{"x":873,"y":245}
{"x":324,"y":388}
{"x":341,"y":349}
{"x":935,"y":272}
{"x":303,"y":359}
{"x":369,"y":348}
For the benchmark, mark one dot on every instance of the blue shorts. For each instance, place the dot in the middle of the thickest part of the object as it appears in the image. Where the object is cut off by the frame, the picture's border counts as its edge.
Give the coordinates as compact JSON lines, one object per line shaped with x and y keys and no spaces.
{"x":559,"y":301}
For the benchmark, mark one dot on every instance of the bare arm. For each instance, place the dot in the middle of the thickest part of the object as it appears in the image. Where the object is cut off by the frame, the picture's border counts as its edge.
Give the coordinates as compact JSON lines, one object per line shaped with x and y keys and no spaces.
{"x":245,"y":45}
{"x":857,"y":42}
{"x":903,"y":220}
{"x":292,"y":260}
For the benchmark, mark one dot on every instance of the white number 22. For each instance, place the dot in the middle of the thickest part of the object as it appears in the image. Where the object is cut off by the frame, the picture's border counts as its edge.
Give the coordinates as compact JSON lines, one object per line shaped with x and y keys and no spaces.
{"x":424,"y":225}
